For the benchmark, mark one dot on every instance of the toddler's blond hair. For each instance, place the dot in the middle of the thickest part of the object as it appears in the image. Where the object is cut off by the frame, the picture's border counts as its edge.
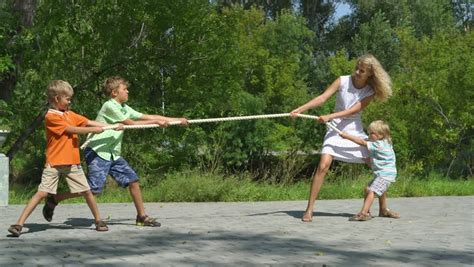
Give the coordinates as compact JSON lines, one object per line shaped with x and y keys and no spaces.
{"x":381,"y":128}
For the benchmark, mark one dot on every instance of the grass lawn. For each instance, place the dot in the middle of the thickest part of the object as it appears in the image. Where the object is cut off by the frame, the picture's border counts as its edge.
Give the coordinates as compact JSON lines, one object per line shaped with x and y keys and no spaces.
{"x":194,"y":186}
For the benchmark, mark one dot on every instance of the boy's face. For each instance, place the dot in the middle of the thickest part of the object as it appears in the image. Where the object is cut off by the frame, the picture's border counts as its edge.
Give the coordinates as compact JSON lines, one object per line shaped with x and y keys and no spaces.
{"x":121,"y":94}
{"x":374,"y":136}
{"x":62,"y":102}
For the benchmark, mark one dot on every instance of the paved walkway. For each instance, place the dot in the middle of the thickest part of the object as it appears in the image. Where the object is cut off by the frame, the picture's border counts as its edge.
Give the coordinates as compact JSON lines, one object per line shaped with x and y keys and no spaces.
{"x":433,"y":231}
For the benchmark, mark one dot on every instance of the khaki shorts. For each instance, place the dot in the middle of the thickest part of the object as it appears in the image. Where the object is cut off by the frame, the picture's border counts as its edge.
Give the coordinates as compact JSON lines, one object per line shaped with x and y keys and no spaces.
{"x":74,"y":174}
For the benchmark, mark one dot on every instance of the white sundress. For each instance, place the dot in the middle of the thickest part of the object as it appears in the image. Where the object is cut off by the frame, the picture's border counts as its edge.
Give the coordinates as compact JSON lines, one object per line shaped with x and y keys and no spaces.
{"x":340,"y":148}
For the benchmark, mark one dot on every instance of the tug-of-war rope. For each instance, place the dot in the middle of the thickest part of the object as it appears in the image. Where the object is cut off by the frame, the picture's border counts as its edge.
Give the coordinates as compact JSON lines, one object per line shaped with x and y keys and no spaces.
{"x":238,"y":118}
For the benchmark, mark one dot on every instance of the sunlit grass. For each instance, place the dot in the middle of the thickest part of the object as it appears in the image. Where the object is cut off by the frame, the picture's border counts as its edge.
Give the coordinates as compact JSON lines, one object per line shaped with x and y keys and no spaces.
{"x":195,"y":186}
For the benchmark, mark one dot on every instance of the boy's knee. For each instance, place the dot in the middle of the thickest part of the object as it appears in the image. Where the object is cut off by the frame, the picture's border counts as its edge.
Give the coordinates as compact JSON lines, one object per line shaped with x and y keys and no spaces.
{"x":134,"y":185}
{"x":42,"y":194}
{"x":85,"y":193}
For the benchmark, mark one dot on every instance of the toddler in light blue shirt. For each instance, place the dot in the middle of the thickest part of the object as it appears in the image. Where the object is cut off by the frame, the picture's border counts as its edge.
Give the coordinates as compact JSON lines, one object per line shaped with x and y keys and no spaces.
{"x":382,"y":161}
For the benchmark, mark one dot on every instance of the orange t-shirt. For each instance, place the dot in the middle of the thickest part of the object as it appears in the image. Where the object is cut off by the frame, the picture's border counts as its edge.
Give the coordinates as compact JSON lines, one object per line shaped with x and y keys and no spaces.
{"x":62,"y":148}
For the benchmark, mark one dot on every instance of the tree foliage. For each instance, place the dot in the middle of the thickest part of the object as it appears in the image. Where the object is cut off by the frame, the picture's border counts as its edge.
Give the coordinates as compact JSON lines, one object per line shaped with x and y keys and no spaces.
{"x":204,"y":59}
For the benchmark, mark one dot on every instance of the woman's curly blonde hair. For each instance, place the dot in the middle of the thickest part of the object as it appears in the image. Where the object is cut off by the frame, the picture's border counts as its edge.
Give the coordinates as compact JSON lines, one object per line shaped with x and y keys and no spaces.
{"x":379,"y":80}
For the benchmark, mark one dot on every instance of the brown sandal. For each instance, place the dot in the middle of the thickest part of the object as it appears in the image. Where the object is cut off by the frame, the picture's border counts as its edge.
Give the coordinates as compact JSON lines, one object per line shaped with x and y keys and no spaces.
{"x":101,"y":226}
{"x":15,"y":230}
{"x":361,"y":217}
{"x":389,"y":214}
{"x":147,"y":221}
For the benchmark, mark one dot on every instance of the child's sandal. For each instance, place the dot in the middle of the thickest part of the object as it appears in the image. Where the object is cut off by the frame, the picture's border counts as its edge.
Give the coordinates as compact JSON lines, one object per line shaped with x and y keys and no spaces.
{"x":389,"y":214}
{"x":147,"y":221}
{"x":361,"y":217}
{"x":101,"y":226}
{"x":48,"y":209}
{"x":15,"y":230}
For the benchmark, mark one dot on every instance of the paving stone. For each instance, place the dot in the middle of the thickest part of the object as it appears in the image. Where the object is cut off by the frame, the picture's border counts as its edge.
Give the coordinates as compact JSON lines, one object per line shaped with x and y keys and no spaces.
{"x":433,"y":231}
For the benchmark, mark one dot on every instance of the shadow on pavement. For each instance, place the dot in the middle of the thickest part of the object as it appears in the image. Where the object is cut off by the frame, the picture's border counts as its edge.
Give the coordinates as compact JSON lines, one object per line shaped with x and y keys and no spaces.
{"x":75,"y":222}
{"x":30,"y":228}
{"x":165,"y":242}
{"x":299,"y":213}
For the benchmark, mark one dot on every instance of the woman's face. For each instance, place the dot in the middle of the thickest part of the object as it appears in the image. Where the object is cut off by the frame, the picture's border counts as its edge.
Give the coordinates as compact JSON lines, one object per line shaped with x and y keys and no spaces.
{"x":362,"y":72}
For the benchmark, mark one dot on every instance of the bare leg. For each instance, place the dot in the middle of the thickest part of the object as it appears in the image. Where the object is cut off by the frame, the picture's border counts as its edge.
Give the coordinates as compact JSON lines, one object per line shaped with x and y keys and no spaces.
{"x":30,"y":207}
{"x":92,"y":205}
{"x":318,"y":179}
{"x":67,"y":195}
{"x":382,"y":202}
{"x":369,"y":199}
{"x":384,"y":211}
{"x":53,"y":200}
{"x":136,"y":194}
{"x":367,"y":192}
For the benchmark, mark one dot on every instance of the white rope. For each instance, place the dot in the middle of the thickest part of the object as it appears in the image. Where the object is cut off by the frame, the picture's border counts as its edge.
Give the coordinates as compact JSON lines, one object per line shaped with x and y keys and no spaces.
{"x":237,"y":118}
{"x":328,"y":124}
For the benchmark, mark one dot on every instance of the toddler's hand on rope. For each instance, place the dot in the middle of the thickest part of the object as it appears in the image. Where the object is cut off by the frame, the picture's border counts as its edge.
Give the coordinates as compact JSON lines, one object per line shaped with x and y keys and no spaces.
{"x":323,"y":118}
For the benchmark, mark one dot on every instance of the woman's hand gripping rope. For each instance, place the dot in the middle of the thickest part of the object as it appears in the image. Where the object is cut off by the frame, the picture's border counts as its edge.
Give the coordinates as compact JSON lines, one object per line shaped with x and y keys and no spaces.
{"x":328,"y":124}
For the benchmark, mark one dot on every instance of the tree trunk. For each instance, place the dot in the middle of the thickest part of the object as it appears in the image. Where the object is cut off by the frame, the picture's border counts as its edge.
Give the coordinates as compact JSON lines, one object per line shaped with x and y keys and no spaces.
{"x":27,"y":10}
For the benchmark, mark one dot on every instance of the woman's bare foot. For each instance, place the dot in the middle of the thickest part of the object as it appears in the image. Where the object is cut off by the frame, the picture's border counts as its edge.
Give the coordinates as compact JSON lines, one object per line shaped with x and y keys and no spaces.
{"x":307,"y":217}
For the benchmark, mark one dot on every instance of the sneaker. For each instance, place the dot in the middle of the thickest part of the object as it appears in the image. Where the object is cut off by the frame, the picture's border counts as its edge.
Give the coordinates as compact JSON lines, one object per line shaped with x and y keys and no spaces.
{"x":147,"y":221}
{"x":48,"y":209}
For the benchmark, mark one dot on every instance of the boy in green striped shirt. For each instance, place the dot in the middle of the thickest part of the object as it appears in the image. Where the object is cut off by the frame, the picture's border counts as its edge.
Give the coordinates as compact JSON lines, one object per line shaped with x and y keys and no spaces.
{"x":103,"y":153}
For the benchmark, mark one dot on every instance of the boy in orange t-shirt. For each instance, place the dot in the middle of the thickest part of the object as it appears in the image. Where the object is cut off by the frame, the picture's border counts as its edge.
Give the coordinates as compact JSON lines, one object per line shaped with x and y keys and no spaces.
{"x":62,"y":154}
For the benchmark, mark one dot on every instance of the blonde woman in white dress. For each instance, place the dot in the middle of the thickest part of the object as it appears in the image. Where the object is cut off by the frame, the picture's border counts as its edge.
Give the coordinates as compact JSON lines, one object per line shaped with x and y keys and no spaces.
{"x":353,"y":93}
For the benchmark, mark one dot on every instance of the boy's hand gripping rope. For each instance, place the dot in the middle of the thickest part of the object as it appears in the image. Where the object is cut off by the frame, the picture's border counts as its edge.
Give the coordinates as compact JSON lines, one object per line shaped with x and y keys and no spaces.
{"x":238,"y":118}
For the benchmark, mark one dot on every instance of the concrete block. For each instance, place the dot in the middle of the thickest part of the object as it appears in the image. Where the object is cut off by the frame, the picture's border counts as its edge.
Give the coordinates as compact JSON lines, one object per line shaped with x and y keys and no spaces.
{"x":4,"y":175}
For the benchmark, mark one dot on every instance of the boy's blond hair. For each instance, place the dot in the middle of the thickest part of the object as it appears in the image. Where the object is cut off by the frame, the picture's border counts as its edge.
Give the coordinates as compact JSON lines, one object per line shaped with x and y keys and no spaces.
{"x":380,"y":80}
{"x":113,"y":83}
{"x":59,"y":88}
{"x":381,"y":128}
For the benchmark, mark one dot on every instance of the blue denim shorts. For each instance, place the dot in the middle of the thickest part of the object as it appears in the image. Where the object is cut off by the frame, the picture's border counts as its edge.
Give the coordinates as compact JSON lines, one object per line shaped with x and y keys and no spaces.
{"x":99,"y":169}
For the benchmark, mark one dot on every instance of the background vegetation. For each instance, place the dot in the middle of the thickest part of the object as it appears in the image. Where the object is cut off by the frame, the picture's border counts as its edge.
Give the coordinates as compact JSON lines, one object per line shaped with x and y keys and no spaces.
{"x":203,"y":59}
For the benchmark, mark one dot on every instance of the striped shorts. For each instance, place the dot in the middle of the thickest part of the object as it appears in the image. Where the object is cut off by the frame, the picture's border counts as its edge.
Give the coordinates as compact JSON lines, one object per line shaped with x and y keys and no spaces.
{"x":379,"y":185}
